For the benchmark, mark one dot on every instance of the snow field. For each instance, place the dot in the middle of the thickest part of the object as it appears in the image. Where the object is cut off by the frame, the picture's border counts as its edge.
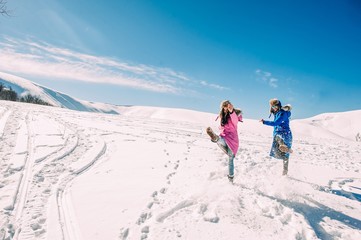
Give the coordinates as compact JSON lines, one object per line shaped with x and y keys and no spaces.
{"x":76,"y":175}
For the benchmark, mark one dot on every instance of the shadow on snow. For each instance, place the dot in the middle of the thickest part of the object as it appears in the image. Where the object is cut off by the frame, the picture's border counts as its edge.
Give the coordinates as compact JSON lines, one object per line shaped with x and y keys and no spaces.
{"x":342,"y":193}
{"x":315,"y":215}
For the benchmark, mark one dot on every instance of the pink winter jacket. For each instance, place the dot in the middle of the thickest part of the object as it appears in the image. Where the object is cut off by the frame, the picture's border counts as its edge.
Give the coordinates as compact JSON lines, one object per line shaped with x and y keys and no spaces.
{"x":229,"y":132}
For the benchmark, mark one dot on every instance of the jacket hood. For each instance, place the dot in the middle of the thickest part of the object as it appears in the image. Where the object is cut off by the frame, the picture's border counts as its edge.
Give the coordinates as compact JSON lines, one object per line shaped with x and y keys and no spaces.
{"x":287,"y":107}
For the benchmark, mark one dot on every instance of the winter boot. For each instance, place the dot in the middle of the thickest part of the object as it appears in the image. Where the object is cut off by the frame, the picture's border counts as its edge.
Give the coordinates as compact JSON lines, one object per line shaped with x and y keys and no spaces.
{"x":285,"y":149}
{"x":230,"y":178}
{"x":214,"y":137}
{"x":282,"y":146}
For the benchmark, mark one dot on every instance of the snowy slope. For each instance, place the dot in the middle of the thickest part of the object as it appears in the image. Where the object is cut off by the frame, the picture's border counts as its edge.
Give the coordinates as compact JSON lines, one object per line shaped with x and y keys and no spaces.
{"x":152,"y":173}
{"x":23,"y":86}
{"x":346,"y":125}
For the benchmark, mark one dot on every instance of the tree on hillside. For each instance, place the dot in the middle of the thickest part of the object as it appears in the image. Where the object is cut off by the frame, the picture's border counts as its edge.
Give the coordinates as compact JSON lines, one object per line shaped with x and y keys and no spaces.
{"x":3,"y":8}
{"x":28,"y":98}
{"x":8,"y":94}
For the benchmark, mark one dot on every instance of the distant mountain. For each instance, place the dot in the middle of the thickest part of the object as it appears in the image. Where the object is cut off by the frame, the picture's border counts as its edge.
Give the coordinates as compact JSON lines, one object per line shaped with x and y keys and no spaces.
{"x":23,"y":86}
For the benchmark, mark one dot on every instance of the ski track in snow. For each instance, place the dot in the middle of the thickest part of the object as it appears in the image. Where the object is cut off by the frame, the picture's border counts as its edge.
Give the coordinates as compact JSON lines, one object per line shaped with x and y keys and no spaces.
{"x":39,"y":166}
{"x":40,"y":174}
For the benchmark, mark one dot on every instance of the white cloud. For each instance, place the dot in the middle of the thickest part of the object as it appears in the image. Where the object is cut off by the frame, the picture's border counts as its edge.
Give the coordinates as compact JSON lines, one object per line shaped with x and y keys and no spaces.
{"x":273,"y":82}
{"x":212,"y":85}
{"x":41,"y":59}
{"x":267,"y":78}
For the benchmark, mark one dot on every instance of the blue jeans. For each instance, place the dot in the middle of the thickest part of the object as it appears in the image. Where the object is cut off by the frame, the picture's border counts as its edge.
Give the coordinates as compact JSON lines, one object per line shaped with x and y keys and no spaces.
{"x":223,"y":145}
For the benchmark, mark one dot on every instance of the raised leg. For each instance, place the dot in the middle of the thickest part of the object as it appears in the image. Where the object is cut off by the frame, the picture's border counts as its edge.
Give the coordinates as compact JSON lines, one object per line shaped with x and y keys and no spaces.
{"x":282,"y":146}
{"x":214,"y":137}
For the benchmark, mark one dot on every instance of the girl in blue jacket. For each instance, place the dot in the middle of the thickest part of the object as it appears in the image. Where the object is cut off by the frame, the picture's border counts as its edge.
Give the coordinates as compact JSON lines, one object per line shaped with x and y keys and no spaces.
{"x":282,"y":135}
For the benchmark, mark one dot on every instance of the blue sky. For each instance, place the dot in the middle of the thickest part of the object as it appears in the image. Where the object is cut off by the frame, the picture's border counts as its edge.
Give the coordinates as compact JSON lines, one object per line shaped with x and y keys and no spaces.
{"x":190,"y":54}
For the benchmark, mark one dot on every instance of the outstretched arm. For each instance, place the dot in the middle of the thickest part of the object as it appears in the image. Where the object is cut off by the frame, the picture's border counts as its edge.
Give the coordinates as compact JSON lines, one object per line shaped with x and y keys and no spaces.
{"x":278,"y":120}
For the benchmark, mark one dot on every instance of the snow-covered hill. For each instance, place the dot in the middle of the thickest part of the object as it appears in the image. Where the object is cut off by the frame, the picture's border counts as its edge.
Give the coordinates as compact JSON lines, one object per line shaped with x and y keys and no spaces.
{"x":345,"y":124}
{"x":23,"y":86}
{"x":152,"y":173}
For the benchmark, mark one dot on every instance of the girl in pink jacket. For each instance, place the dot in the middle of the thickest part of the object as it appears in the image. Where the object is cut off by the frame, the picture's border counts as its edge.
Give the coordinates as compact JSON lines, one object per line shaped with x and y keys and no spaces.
{"x":228,"y":138}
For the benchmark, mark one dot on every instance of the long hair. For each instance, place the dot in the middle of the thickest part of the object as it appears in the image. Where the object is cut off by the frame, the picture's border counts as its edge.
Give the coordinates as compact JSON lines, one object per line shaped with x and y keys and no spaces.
{"x":224,"y":116}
